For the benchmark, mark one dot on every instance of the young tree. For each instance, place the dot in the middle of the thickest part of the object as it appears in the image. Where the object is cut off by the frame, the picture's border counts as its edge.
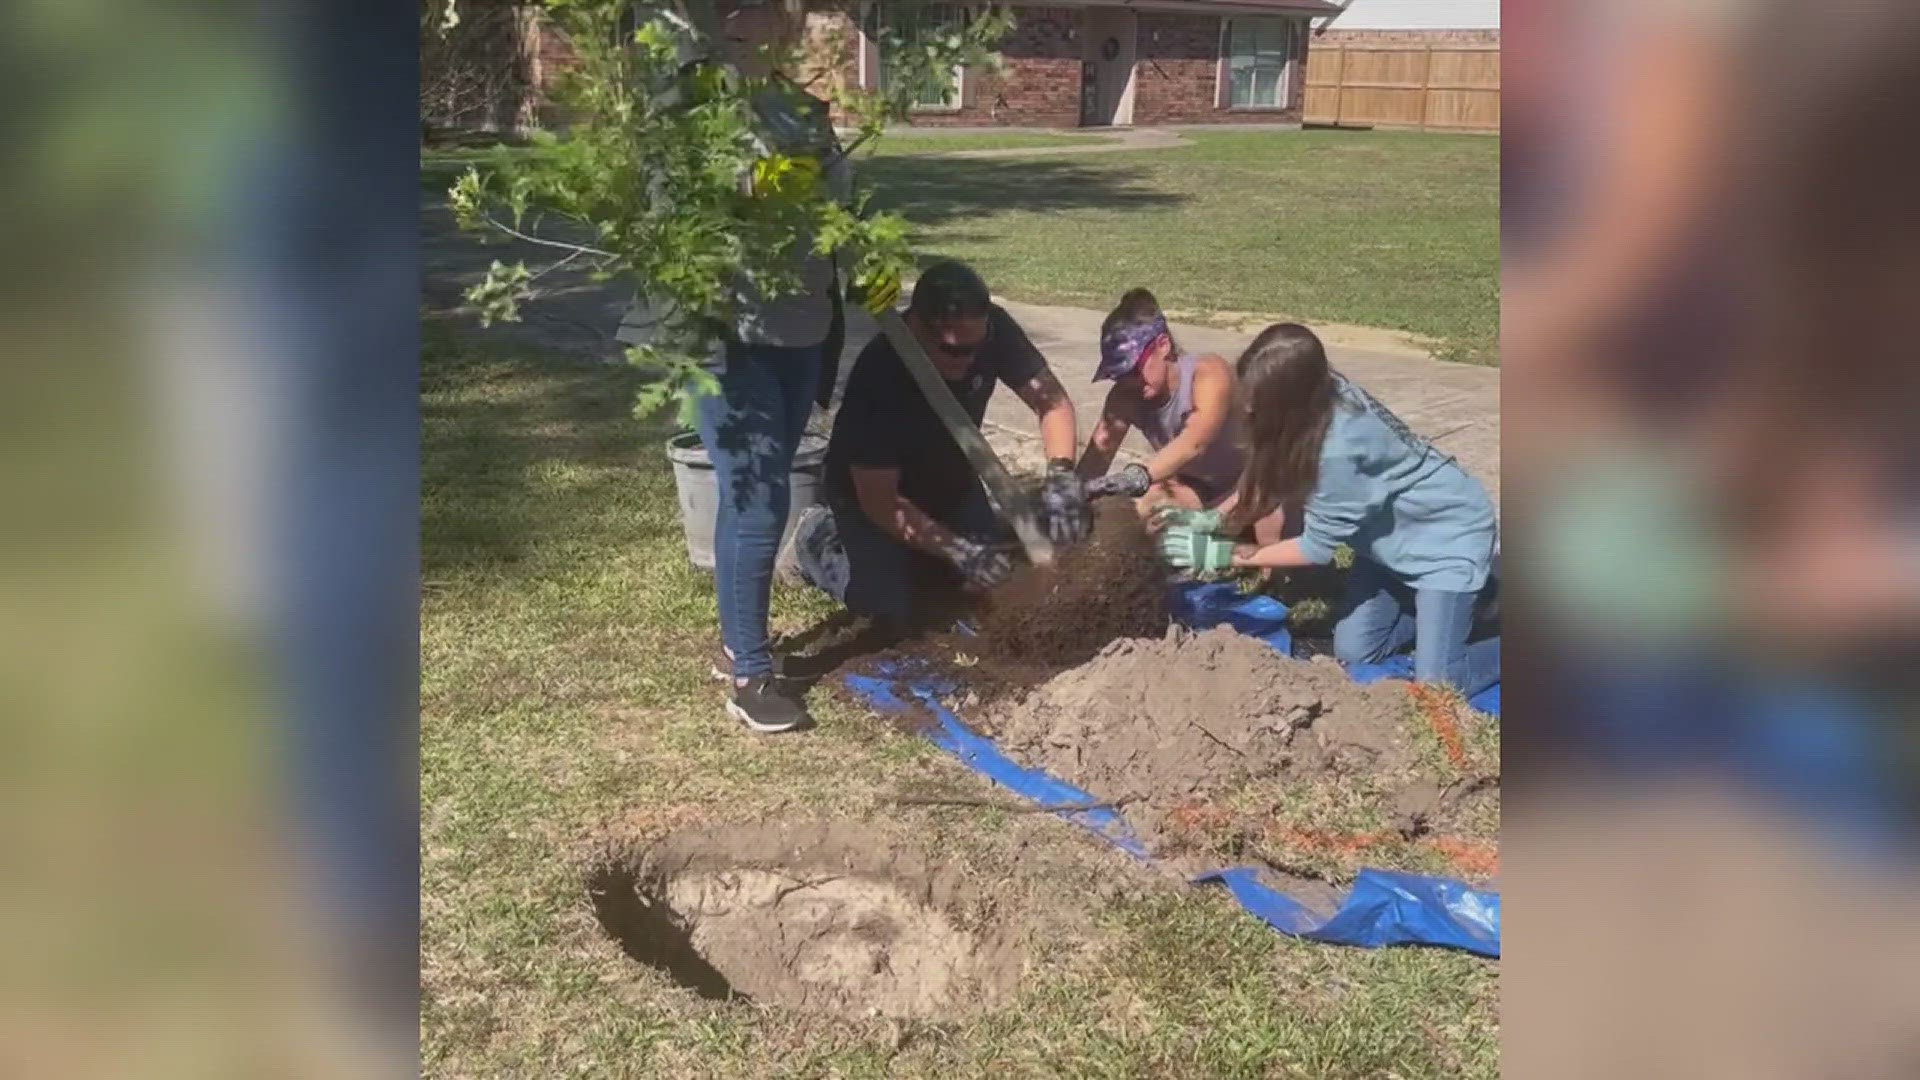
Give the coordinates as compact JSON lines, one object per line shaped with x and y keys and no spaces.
{"x":663,"y":177}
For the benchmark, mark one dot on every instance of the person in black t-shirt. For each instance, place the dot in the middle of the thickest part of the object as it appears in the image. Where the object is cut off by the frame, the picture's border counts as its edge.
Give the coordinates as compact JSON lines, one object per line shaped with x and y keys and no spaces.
{"x":904,"y":510}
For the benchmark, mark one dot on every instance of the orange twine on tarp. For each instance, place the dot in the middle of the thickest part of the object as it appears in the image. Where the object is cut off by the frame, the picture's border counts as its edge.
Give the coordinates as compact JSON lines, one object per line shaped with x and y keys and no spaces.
{"x":1433,"y":706}
{"x":1472,"y":856}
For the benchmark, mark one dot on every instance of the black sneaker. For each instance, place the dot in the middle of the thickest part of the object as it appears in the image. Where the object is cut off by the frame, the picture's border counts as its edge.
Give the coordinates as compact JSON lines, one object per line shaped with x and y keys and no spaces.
{"x":761,"y":705}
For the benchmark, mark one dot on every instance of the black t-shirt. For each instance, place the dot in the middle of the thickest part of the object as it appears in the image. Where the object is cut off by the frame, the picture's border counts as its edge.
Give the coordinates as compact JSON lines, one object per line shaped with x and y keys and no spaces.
{"x":885,"y":421}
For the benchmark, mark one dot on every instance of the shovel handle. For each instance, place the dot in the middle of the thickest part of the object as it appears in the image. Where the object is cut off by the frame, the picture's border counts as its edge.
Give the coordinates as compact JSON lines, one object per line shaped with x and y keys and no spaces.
{"x":1002,"y":493}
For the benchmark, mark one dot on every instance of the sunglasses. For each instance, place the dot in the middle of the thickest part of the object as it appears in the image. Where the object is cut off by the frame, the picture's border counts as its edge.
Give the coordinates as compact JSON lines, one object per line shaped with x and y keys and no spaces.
{"x":960,"y":350}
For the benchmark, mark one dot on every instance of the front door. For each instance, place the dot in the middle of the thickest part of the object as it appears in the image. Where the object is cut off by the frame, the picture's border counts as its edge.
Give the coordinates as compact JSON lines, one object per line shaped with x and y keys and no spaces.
{"x":1107,"y":65}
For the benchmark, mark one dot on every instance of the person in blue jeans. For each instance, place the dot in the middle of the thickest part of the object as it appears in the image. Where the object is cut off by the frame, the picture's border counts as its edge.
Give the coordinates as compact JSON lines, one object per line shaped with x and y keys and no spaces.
{"x":1422,"y":531}
{"x":751,"y":430}
{"x":769,"y":367}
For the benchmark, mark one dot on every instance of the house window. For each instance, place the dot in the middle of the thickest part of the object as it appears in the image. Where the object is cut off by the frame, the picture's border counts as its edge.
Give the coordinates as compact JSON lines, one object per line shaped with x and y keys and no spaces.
{"x":906,"y":30}
{"x":1257,"y":55}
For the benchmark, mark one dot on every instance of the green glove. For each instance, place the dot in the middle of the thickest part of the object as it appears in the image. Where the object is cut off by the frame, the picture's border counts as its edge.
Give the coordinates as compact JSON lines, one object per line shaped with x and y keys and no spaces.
{"x":1191,"y":549}
{"x":1176,"y":517}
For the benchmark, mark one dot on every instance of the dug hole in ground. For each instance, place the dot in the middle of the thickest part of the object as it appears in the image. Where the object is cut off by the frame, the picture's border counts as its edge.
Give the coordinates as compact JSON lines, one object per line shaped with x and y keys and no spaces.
{"x":1217,"y":749}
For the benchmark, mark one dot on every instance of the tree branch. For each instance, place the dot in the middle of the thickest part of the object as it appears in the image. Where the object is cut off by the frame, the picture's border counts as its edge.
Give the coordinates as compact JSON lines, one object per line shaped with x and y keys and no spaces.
{"x":555,"y":266}
{"x":577,"y":249}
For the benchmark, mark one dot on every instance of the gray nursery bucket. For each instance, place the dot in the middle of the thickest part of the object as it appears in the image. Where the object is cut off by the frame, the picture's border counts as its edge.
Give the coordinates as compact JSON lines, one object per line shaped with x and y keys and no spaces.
{"x":693,"y":479}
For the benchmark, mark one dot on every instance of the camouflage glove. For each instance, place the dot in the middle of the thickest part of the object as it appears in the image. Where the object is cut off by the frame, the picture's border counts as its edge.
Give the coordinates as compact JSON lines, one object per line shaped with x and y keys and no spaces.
{"x":1132,"y":481}
{"x":1064,"y":509}
{"x":1191,"y":549}
{"x":1177,"y":517}
{"x":981,"y":566}
{"x":877,"y":292}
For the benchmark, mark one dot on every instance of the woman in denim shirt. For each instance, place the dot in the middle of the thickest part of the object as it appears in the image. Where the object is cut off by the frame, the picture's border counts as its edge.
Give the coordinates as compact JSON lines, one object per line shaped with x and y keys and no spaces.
{"x":1421,"y":530}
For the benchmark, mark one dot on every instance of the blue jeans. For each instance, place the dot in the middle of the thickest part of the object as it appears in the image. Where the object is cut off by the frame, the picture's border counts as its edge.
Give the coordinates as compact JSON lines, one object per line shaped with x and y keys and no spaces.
{"x":1381,"y":616}
{"x":886,"y":578}
{"x":751,"y":430}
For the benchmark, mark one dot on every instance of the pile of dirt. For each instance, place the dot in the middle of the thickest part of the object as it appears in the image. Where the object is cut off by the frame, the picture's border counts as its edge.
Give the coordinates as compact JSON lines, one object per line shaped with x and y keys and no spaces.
{"x":820,"y":918}
{"x":1154,"y":724}
{"x":1110,"y":586}
{"x":1042,"y":621}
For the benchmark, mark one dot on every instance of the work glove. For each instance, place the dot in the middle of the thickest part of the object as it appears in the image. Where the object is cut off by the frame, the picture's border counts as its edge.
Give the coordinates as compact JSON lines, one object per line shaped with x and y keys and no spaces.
{"x":819,"y":554}
{"x":1190,"y":549}
{"x":981,"y":566}
{"x":1179,"y":517}
{"x":1064,"y":510}
{"x":1132,"y":481}
{"x":877,"y":291}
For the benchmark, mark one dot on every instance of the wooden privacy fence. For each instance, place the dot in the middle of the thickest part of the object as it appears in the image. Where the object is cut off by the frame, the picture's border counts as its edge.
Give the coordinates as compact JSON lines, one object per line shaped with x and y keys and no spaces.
{"x":1450,"y":87}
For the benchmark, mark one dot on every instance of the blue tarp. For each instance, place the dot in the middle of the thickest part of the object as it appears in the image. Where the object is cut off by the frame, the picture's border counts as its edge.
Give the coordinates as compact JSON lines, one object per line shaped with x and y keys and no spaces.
{"x":980,"y":755}
{"x":1383,"y":908}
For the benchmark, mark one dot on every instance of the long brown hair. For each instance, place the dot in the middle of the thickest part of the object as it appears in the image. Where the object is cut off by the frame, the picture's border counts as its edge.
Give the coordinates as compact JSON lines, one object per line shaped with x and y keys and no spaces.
{"x":1285,"y":394}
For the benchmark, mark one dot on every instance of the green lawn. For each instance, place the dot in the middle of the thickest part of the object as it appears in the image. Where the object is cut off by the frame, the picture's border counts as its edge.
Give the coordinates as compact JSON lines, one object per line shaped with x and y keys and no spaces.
{"x":564,"y":703}
{"x":1396,"y":230}
{"x":441,"y":166}
{"x":1384,"y":229}
{"x":908,"y":142}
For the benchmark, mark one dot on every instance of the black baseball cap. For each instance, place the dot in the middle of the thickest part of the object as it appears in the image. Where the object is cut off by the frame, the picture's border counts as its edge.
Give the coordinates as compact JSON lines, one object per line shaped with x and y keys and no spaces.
{"x":950,"y":290}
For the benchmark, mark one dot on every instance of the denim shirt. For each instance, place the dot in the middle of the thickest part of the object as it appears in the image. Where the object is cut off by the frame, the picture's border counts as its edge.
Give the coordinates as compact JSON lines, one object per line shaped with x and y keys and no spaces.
{"x":1390,"y":496}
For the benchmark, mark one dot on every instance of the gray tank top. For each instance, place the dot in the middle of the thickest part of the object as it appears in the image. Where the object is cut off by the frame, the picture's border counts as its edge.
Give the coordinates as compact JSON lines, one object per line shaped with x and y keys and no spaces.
{"x":1218,"y":467}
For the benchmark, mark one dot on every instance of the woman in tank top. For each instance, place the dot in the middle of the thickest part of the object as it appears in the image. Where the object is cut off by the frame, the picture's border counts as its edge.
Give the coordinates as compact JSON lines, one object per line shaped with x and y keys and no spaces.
{"x":1181,"y":402}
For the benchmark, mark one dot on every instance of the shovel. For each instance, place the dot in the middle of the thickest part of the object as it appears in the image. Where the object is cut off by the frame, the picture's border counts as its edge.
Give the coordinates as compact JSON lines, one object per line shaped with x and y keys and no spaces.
{"x":1004,"y":495}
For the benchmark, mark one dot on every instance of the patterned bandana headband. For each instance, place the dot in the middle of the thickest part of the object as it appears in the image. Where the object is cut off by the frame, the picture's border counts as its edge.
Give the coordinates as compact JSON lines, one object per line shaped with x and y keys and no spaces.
{"x":1123,"y":347}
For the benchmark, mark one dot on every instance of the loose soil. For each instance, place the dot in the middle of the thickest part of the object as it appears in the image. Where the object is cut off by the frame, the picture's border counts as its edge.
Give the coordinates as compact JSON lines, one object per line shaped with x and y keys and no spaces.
{"x":1108,"y":587}
{"x":1042,"y":621}
{"x":1311,"y":893}
{"x":1158,"y":724}
{"x":824,"y":918}
{"x":1199,"y":739}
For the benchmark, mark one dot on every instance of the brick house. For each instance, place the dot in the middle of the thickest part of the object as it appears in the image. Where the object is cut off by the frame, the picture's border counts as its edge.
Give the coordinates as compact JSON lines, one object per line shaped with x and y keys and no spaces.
{"x":1069,"y":63}
{"x":1091,"y":64}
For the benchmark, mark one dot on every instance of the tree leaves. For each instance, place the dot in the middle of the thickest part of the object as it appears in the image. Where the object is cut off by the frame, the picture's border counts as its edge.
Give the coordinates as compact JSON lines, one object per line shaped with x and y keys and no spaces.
{"x":498,"y":295}
{"x":664,"y":166}
{"x":681,"y":381}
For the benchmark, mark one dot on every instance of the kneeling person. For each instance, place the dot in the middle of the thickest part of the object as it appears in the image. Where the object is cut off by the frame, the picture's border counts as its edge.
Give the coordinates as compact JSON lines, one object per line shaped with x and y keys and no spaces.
{"x":906,"y":506}
{"x":1181,"y":401}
